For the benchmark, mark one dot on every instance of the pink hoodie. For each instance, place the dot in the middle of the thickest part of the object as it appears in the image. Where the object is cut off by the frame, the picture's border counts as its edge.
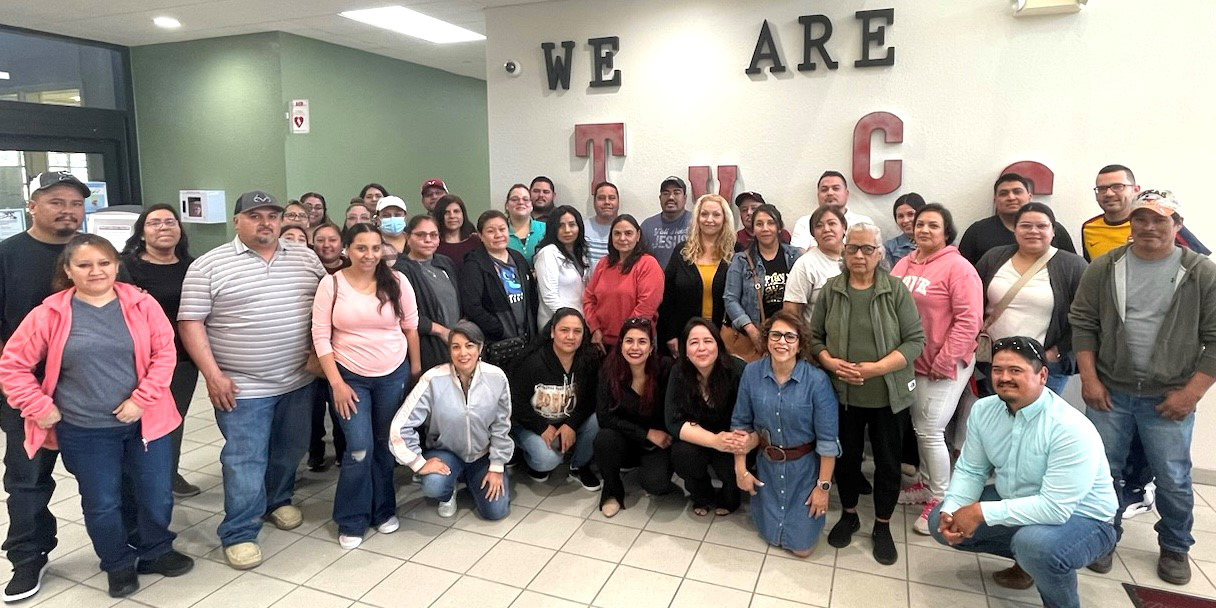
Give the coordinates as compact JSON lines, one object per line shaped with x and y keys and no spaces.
{"x":950,"y":298}
{"x":42,"y":336}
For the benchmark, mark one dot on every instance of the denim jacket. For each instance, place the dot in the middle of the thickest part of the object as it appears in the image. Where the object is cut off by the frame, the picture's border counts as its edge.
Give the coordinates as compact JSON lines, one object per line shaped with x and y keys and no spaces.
{"x":740,"y":295}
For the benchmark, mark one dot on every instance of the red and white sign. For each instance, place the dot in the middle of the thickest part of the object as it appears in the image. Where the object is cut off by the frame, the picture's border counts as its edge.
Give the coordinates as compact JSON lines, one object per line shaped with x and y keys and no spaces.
{"x":299,"y":116}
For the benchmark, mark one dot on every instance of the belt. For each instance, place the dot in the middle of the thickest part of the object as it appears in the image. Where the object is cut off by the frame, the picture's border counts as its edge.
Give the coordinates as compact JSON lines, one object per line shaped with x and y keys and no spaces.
{"x":777,"y":453}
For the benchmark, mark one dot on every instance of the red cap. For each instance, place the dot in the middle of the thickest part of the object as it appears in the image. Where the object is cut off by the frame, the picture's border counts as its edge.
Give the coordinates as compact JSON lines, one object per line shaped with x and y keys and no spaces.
{"x":433,"y":183}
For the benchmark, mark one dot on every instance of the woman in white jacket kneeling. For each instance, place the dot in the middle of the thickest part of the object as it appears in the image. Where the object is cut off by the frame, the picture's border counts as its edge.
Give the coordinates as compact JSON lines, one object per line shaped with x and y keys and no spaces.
{"x":466,"y":408}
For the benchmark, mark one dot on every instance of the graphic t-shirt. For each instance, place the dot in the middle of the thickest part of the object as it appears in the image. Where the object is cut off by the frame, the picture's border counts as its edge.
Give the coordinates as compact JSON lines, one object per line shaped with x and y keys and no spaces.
{"x":555,"y":402}
{"x":517,"y":316}
{"x":662,"y":236}
{"x":776,"y":272}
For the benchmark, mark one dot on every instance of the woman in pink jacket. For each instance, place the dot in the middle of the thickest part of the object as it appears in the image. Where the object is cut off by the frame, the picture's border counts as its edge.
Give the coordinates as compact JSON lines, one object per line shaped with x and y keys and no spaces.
{"x":950,"y":299}
{"x":103,"y":401}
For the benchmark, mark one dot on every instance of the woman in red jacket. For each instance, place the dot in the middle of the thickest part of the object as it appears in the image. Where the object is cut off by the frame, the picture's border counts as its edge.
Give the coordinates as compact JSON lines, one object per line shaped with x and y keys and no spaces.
{"x":627,"y":283}
{"x":108,"y":356}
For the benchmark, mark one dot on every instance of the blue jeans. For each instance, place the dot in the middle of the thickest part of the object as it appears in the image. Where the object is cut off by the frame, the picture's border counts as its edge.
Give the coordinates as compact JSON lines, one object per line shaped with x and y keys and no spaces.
{"x":1051,"y":554}
{"x":99,"y":458}
{"x":265,"y":438}
{"x":366,"y":496}
{"x":1167,"y":446}
{"x":541,"y":457}
{"x":471,"y":473}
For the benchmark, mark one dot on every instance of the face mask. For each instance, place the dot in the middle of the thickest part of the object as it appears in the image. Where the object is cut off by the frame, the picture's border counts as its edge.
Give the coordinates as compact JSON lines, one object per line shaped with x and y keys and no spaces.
{"x":392,"y":225}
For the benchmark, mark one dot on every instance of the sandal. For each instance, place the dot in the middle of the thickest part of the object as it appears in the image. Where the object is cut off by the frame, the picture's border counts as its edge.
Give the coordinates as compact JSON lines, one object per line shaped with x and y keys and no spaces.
{"x":700,"y":511}
{"x":722,"y":511}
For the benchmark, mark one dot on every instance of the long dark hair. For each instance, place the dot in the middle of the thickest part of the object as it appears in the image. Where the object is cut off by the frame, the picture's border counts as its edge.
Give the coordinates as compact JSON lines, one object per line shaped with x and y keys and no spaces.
{"x":363,"y":192}
{"x":580,"y":242}
{"x":388,"y":290}
{"x":59,"y":279}
{"x":619,"y":376}
{"x":639,"y":250}
{"x":135,"y":244}
{"x":324,"y":206}
{"x":585,"y":356}
{"x":720,"y":387}
{"x":441,"y":205}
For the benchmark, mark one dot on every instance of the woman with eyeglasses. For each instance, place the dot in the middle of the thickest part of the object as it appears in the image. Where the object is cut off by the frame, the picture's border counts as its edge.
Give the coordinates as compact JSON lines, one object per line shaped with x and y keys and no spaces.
{"x":701,"y":396}
{"x":437,"y":288}
{"x":1039,"y":306}
{"x":820,"y":263}
{"x":755,"y":283}
{"x":457,"y":237}
{"x":626,"y":284}
{"x":866,"y":333}
{"x":629,"y":407}
{"x":318,"y":211}
{"x":697,"y":271}
{"x":561,"y":263}
{"x":787,"y":409}
{"x":526,"y":233}
{"x":357,"y":213}
{"x":902,"y":244}
{"x":156,"y":256}
{"x":950,"y":299}
{"x":294,"y":214}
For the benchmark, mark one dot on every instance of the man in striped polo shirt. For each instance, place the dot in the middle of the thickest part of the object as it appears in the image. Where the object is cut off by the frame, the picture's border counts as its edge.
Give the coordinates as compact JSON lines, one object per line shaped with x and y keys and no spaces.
{"x":246,"y":320}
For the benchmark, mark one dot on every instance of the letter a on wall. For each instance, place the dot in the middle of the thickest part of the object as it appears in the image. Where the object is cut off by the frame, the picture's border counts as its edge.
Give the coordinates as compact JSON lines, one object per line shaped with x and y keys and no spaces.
{"x":602,"y":139}
{"x":892,"y":128}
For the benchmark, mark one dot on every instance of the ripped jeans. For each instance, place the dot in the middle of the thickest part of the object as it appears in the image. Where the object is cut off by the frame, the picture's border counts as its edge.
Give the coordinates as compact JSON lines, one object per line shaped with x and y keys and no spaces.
{"x":365,"y":495}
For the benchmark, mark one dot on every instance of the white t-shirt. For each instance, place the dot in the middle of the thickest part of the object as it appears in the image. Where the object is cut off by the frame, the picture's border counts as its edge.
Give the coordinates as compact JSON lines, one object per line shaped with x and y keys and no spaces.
{"x":802,"y":238}
{"x":807,"y":277}
{"x":559,"y":283}
{"x":1030,"y":311}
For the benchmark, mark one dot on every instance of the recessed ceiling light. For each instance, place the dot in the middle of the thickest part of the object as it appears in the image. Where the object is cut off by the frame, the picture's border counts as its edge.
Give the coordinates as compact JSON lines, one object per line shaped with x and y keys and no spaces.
{"x":413,"y":23}
{"x":168,"y":23}
{"x":5,"y":76}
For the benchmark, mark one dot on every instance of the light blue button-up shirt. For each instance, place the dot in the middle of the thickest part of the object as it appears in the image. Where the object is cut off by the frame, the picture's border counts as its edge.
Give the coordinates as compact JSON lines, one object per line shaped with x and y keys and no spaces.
{"x":1049,"y":464}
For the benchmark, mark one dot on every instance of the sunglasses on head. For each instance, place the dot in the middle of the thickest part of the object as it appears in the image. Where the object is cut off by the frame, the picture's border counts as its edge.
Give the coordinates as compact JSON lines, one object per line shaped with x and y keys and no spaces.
{"x":1020,"y":344}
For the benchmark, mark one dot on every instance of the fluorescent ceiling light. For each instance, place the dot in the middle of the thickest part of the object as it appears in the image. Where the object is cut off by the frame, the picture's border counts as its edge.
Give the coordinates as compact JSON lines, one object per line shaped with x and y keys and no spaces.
{"x":4,"y":76}
{"x":168,"y":23}
{"x":413,"y":23}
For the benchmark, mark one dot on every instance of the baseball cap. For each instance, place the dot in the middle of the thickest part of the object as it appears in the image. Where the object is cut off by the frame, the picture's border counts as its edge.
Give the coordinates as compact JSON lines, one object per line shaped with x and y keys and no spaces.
{"x":748,"y":196}
{"x":433,"y":183}
{"x":391,"y":201}
{"x":674,"y":181}
{"x":1160,"y":201}
{"x":255,"y":199}
{"x":42,"y":181}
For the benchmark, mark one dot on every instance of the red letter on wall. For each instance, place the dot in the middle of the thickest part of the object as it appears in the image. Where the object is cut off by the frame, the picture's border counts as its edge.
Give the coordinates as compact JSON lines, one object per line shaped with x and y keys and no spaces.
{"x":892,"y":170}
{"x":698,"y":181}
{"x":603,"y":139}
{"x":1041,"y":176}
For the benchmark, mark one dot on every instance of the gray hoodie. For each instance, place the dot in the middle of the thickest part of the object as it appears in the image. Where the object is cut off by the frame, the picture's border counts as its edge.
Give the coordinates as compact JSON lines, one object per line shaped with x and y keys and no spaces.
{"x":469,"y":428}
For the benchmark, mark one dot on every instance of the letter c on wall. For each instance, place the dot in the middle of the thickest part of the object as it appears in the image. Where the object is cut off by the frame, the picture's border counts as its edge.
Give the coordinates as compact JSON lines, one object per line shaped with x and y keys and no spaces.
{"x":892,"y":128}
{"x":1041,"y":177}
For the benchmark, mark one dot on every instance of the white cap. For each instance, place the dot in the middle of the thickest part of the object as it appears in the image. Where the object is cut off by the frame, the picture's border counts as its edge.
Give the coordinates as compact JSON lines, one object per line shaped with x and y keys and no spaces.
{"x":391,"y":201}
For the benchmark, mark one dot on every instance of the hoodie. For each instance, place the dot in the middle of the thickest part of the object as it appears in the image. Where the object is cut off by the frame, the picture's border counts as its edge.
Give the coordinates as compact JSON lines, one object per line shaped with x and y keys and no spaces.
{"x":543,"y":394}
{"x":950,"y":298}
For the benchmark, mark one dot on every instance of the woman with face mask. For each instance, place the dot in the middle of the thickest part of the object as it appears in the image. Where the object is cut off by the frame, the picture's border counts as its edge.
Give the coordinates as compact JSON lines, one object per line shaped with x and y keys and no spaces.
{"x":390,"y":217}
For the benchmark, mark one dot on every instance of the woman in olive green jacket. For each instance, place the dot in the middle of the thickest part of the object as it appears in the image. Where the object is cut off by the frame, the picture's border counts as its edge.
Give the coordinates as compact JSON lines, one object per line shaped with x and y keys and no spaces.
{"x":866,"y":333}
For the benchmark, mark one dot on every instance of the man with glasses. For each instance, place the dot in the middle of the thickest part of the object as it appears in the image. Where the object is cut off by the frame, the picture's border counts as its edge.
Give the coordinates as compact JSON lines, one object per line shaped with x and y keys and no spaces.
{"x":245,"y":319}
{"x":432,"y":191}
{"x":1144,"y":331}
{"x":1009,"y":193}
{"x":1052,"y":504}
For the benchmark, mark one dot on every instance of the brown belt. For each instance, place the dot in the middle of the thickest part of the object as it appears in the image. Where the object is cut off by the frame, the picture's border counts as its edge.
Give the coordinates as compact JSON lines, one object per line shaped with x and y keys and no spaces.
{"x":782,"y":454}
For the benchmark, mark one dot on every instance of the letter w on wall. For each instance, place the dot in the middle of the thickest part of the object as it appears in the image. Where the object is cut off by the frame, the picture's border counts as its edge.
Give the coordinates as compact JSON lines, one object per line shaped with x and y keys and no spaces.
{"x":698,"y":178}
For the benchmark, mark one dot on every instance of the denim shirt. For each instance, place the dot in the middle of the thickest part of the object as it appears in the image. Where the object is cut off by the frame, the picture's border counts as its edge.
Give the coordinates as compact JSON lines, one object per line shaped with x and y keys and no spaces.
{"x":802,"y":410}
{"x":896,"y":248}
{"x":742,"y":306}
{"x":1049,"y":462}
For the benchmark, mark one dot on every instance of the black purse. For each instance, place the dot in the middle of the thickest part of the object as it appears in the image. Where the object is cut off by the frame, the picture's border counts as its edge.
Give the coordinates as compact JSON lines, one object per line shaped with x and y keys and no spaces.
{"x":504,"y":352}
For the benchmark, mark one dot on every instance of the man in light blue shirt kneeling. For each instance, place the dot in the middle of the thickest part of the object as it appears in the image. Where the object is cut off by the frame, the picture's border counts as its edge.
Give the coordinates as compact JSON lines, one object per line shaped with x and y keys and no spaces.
{"x":1053,"y":504}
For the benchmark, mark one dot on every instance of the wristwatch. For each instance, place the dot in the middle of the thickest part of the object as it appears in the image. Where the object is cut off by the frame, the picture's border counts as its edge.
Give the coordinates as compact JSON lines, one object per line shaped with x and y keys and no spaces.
{"x":826,"y":486}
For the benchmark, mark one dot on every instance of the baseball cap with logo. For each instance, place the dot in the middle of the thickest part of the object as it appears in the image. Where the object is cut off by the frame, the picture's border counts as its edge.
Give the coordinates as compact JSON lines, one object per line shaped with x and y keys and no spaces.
{"x":673,"y":181}
{"x":255,"y":200}
{"x":42,"y":181}
{"x":391,"y":201}
{"x":433,"y":183}
{"x":1159,"y":201}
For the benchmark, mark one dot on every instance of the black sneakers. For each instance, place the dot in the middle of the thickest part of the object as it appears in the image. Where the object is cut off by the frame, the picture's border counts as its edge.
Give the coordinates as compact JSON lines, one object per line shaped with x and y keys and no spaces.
{"x":183,"y":488}
{"x":123,"y":582}
{"x":842,"y":533}
{"x":27,"y":579}
{"x":169,"y":564}
{"x":587,"y":478}
{"x":885,"y":552}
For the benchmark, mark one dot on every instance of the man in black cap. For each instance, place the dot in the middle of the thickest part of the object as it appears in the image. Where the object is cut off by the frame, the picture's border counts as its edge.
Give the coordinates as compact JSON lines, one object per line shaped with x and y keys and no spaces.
{"x":663,"y":231}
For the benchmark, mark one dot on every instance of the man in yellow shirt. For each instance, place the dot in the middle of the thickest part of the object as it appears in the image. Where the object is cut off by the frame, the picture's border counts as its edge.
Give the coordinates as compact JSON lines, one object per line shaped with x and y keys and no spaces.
{"x":1115,"y":188}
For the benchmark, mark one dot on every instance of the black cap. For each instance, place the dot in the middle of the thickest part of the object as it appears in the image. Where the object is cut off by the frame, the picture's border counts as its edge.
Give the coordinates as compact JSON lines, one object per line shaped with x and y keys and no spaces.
{"x":42,"y":181}
{"x":675,"y":181}
{"x":255,"y":200}
{"x":748,"y":196}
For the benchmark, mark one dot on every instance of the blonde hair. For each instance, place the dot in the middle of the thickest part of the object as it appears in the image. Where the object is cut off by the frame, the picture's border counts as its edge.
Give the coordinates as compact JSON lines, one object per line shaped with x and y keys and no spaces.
{"x":725,"y":242}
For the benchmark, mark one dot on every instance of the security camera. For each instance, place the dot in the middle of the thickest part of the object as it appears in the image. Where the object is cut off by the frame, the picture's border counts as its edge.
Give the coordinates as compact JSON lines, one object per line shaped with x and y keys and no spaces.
{"x":512,"y":68}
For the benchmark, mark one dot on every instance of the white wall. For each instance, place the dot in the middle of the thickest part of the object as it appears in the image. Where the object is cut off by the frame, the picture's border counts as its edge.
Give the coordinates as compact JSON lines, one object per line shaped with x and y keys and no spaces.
{"x":1123,"y":81}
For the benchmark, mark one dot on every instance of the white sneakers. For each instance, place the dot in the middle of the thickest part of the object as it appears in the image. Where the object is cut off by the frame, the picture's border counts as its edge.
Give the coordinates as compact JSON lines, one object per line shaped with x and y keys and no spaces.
{"x":915,"y":494}
{"x":390,"y":525}
{"x":349,"y":542}
{"x":447,"y":508}
{"x":921,"y":525}
{"x":1145,"y":505}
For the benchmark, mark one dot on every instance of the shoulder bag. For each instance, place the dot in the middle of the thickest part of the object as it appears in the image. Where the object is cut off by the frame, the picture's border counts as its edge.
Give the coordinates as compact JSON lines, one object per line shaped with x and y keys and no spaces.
{"x":313,"y":365}
{"x":983,"y":342}
{"x":738,"y":343}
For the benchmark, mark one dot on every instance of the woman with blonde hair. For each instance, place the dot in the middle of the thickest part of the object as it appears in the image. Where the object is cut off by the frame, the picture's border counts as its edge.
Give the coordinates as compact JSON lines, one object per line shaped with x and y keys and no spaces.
{"x":700,"y":268}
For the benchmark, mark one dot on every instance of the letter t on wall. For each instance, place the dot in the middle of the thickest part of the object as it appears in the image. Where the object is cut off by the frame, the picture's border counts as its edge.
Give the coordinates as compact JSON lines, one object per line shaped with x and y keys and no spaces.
{"x":602,"y":139}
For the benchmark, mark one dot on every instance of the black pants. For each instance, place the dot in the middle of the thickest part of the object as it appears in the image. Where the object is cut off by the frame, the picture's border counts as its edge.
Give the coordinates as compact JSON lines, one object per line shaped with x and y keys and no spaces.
{"x":185,"y":379}
{"x":322,"y":401}
{"x":886,"y":440}
{"x":613,"y":450}
{"x":692,"y":463}
{"x":28,"y":481}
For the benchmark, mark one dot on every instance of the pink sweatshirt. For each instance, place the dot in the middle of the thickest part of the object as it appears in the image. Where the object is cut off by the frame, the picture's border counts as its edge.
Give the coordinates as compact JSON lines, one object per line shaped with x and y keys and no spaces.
{"x":950,"y":298}
{"x":611,"y":298}
{"x":363,"y":336}
{"x":42,"y":336}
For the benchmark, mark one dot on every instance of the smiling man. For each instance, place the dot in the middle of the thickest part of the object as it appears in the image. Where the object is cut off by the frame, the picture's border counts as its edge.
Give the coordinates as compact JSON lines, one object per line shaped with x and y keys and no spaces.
{"x":663,"y":231}
{"x":831,"y":191}
{"x":1009,"y":193}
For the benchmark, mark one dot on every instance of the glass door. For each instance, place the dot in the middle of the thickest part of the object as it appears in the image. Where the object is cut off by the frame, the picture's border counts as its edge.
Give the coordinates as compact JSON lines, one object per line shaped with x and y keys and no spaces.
{"x":93,"y":162}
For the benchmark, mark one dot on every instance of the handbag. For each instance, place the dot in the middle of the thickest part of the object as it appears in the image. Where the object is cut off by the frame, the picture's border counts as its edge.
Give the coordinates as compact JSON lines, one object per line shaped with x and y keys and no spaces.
{"x":503,"y":352}
{"x":738,"y":343}
{"x":313,"y":364}
{"x":983,"y":342}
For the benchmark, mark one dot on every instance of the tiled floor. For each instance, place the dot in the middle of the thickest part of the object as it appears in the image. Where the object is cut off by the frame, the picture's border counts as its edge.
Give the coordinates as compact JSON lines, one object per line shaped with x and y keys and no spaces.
{"x":556,"y":550}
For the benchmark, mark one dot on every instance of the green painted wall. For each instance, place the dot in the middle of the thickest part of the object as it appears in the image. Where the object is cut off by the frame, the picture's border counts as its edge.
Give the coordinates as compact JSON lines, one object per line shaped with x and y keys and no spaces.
{"x":211,"y":114}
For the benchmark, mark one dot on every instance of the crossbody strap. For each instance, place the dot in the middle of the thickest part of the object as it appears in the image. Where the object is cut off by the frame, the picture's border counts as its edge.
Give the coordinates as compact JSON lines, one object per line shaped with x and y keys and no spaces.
{"x":1017,"y":286}
{"x":756,"y":284}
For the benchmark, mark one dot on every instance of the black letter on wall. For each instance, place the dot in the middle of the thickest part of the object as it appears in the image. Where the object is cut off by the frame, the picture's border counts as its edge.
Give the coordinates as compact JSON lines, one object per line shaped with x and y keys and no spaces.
{"x":877,"y":36}
{"x":604,"y":50}
{"x":557,"y":69}
{"x":811,"y":43}
{"x":766,"y":50}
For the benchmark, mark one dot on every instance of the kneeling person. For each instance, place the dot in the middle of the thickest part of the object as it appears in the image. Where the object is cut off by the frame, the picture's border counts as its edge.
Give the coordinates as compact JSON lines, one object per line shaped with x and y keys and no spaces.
{"x":1053,"y":504}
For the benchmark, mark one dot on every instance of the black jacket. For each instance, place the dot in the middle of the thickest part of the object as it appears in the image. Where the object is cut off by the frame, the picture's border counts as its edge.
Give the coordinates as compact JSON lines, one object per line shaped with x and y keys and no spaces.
{"x":682,"y":295}
{"x":543,"y":394}
{"x":432,"y":349}
{"x":685,"y":404}
{"x":624,"y":415}
{"x":482,"y":296}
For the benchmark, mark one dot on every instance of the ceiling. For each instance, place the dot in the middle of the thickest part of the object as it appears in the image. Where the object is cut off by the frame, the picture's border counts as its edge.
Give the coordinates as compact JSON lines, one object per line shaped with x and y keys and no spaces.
{"x":129,"y":23}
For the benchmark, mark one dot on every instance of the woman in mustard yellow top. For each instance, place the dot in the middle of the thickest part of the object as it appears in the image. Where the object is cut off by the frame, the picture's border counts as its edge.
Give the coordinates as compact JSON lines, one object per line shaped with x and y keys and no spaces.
{"x":698,"y":269}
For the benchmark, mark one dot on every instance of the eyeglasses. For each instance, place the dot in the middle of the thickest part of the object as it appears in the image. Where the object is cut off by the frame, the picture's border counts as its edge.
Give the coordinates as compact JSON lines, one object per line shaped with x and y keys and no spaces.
{"x":426,"y":236}
{"x":787,"y":336}
{"x":296,"y":216}
{"x":865,"y":249}
{"x":1020,"y":344}
{"x":1116,"y":188}
{"x":154,"y":224}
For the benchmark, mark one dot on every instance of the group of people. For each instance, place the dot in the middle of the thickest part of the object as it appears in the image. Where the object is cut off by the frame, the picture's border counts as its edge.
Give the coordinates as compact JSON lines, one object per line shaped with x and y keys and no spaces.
{"x":742,"y":361}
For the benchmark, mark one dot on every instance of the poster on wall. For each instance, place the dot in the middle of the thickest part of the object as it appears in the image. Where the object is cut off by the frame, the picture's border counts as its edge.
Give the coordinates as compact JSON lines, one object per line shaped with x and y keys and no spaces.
{"x":12,"y":222}
{"x":300,"y":123}
{"x":98,"y":198}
